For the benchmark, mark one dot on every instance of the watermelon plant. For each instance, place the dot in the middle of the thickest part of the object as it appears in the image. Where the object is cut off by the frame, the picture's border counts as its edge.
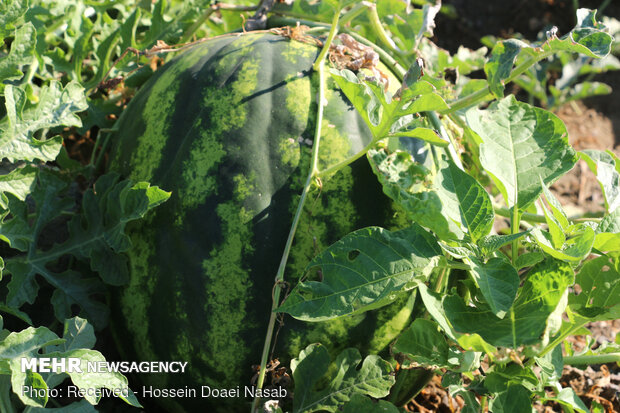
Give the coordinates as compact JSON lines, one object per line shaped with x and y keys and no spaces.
{"x":330,"y":210}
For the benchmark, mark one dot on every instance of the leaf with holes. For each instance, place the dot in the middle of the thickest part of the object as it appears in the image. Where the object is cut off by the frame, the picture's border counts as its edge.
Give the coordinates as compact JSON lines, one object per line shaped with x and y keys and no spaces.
{"x":367,"y":269}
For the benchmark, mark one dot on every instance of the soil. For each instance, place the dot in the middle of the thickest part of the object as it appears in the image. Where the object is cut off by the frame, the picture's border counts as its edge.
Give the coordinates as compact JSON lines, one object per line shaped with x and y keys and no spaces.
{"x":591,"y":124}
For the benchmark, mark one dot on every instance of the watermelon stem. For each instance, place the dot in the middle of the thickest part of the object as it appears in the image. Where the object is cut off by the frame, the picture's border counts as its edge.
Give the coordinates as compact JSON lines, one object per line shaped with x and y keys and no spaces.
{"x":312,"y":175}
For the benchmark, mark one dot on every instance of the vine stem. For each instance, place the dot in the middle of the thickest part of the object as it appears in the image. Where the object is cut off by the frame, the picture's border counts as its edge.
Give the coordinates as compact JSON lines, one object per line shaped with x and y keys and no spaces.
{"x":483,"y":93}
{"x":539,"y":219}
{"x":319,"y":66}
{"x":592,"y":359}
{"x":514,"y":229}
{"x":559,"y":339}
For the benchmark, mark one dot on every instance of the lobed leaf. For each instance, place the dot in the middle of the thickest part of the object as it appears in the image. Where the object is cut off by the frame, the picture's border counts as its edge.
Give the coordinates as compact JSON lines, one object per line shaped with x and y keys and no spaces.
{"x":10,"y":12}
{"x":21,"y":53}
{"x":18,"y":182}
{"x":56,"y":107}
{"x":97,"y":235}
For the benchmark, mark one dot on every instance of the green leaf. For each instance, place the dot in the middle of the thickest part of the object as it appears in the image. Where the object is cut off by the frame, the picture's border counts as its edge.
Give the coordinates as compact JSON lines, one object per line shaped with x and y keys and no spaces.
{"x":429,"y":11}
{"x":10,"y":12}
{"x":367,"y":269}
{"x":56,"y":107}
{"x":454,"y":203}
{"x":433,"y":304}
{"x":514,"y":400}
{"x":82,"y":406}
{"x":27,"y":342}
{"x":411,"y":186}
{"x":360,"y":96}
{"x":422,"y":345}
{"x":582,"y":91}
{"x":604,"y":166}
{"x":30,"y":379}
{"x":501,"y":377}
{"x":527,"y":320}
{"x":472,"y":405}
{"x":610,"y":223}
{"x":608,"y":233}
{"x":498,"y":281}
{"x":575,"y":250}
{"x":374,"y":378}
{"x":466,"y":201}
{"x":491,"y":243}
{"x":556,"y":232}
{"x":425,"y":134}
{"x":500,"y":64}
{"x":96,"y":236}
{"x":473,"y":342}
{"x":360,"y":403}
{"x":98,"y":379}
{"x":521,"y":145}
{"x":567,"y":397}
{"x":599,"y":298}
{"x":385,"y":115}
{"x":16,"y":313}
{"x":22,"y":52}
{"x":529,"y":259}
{"x":18,"y":182}
{"x":589,"y":39}
{"x":557,"y":221}
{"x":78,"y":333}
{"x":322,"y":11}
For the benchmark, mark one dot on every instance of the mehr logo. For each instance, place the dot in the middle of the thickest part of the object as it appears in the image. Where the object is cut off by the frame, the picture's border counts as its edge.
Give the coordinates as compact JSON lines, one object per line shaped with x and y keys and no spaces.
{"x":51,"y":365}
{"x":76,"y":365}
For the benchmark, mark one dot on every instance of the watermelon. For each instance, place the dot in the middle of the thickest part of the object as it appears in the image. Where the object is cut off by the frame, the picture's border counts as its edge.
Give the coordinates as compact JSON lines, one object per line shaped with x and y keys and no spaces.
{"x":227,"y":126}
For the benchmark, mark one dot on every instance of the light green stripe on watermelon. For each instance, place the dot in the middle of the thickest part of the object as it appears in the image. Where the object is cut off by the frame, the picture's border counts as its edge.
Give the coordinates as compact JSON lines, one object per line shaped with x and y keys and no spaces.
{"x":296,"y":50}
{"x":298,"y":99}
{"x":289,"y":152}
{"x":332,"y":143}
{"x":157,"y":114}
{"x":324,"y":216}
{"x":225,"y":107}
{"x":226,"y":296}
{"x":136,"y":298}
